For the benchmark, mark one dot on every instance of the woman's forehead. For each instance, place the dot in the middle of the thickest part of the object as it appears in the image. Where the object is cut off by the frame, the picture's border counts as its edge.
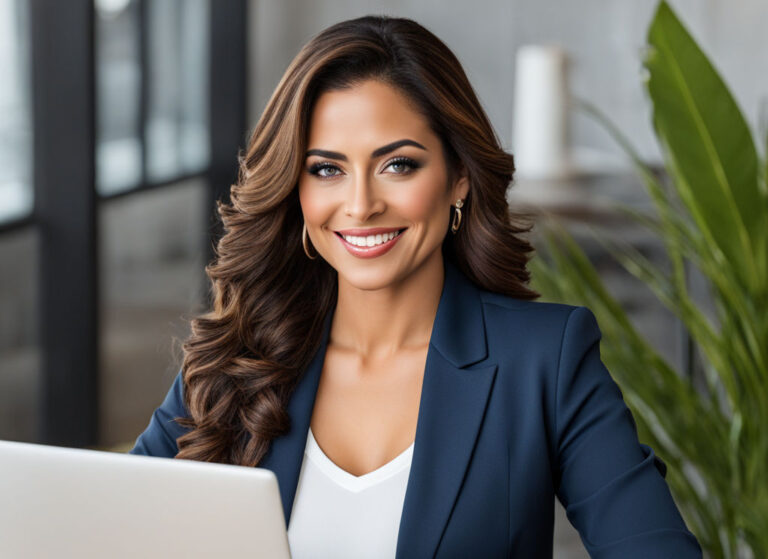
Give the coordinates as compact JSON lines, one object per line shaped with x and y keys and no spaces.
{"x":365,"y":115}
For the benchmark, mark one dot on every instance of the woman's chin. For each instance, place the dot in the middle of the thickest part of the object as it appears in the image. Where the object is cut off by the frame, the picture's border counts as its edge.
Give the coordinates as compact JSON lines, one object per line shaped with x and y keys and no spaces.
{"x":367,"y":276}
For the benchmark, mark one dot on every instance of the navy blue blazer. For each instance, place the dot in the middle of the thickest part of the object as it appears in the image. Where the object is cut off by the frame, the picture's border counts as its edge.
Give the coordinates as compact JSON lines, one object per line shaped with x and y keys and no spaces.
{"x":516,"y":409}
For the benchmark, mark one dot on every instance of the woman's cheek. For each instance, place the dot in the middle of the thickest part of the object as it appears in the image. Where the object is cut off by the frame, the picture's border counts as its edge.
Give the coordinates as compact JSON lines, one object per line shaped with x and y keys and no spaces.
{"x":423,"y":200}
{"x":314,"y":206}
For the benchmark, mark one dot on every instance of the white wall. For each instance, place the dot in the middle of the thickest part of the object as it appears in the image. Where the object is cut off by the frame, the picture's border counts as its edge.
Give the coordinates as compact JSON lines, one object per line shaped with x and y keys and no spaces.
{"x":604,"y":37}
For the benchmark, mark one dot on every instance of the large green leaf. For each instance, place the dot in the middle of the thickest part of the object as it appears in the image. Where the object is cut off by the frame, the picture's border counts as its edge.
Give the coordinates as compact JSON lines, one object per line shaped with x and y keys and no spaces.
{"x":708,"y":146}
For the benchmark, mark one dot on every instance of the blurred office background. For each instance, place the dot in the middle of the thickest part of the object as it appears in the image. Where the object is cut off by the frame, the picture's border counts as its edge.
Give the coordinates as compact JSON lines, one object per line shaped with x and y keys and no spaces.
{"x":120,"y":122}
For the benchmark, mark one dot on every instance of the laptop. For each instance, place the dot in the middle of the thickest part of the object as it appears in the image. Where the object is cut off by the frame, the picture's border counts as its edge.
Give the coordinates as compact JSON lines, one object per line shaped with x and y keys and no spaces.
{"x":67,"y":502}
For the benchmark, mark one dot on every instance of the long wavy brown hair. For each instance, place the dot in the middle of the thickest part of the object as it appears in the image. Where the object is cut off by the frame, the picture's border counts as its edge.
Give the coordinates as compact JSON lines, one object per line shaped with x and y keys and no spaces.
{"x":244,"y":358}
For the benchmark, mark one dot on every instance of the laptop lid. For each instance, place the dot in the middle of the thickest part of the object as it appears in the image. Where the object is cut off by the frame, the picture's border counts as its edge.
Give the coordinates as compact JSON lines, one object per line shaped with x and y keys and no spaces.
{"x":67,"y":502}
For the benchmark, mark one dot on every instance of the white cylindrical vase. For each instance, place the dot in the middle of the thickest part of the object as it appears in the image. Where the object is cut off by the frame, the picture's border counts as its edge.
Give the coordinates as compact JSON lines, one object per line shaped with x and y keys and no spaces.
{"x":540,"y":119}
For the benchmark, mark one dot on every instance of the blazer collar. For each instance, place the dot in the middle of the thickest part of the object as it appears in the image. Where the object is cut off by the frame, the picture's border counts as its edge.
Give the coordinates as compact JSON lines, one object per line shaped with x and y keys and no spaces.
{"x":451,"y":410}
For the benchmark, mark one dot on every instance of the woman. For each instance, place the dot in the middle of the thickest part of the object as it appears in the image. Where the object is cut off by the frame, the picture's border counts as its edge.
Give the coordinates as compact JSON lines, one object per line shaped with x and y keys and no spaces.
{"x":373,"y":341}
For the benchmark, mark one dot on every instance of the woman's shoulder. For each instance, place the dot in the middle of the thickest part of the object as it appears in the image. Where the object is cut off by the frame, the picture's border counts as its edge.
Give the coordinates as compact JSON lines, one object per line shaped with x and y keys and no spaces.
{"x":159,"y":438}
{"x":513,"y":308}
{"x":528,"y":324}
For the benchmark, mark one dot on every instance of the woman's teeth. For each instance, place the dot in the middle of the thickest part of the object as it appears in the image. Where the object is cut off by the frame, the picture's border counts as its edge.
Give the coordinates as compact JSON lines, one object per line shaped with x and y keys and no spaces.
{"x":371,"y":240}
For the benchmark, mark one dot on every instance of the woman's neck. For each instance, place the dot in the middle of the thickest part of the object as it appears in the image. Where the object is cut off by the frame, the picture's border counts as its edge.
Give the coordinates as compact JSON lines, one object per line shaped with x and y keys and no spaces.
{"x":379,"y":323}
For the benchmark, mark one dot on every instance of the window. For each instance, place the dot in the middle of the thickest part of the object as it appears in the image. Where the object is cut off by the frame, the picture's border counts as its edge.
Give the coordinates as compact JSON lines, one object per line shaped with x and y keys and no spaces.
{"x":107,"y":186}
{"x":16,"y":196}
{"x":152,"y":92}
{"x":177,"y":125}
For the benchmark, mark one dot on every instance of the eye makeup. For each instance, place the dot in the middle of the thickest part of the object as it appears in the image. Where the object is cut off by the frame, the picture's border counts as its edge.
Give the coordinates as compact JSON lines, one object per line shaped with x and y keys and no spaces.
{"x":316,"y":168}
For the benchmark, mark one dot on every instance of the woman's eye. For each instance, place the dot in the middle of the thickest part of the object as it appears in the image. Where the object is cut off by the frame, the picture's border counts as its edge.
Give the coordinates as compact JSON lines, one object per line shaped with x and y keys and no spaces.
{"x":325,"y":170}
{"x":404,"y":163}
{"x":317,"y":169}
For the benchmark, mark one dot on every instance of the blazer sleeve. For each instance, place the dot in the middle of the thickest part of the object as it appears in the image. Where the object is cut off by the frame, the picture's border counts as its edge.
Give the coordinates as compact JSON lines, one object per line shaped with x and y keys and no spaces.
{"x":159,"y":438}
{"x":612,"y":486}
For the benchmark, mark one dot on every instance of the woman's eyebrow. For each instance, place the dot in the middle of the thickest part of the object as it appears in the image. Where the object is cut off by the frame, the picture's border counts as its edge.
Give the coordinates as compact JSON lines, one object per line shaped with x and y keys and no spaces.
{"x":376,"y":153}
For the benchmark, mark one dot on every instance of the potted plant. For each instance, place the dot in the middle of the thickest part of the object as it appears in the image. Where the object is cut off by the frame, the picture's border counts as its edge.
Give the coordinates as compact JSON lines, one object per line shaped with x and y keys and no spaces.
{"x":711,"y":214}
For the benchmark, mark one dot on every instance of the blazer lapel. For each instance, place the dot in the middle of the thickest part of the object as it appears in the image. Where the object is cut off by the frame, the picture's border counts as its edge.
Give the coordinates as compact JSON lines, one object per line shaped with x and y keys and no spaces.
{"x":453,"y":403}
{"x":451,"y":410}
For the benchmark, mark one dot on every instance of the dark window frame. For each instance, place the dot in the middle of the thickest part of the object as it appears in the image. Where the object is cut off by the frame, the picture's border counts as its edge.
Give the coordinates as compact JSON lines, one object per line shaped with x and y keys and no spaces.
{"x":64,"y":130}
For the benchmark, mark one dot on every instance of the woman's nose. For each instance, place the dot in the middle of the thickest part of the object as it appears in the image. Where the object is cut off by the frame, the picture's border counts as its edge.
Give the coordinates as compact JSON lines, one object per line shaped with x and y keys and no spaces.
{"x":362,"y":199}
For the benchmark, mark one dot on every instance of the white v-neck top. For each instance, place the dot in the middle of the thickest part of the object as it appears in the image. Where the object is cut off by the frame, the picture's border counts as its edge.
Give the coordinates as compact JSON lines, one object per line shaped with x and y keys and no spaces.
{"x":339,"y":515}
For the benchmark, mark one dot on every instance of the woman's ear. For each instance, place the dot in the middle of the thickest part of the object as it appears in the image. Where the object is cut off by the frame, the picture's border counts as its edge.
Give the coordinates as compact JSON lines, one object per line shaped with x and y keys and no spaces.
{"x":461,"y":185}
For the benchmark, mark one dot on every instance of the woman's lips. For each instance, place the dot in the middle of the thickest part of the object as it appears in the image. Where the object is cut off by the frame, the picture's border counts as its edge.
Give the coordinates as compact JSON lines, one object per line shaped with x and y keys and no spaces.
{"x":369,"y":252}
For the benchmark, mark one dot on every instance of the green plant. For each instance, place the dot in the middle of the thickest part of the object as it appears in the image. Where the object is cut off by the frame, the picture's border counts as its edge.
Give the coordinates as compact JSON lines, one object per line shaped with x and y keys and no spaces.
{"x":714,"y":217}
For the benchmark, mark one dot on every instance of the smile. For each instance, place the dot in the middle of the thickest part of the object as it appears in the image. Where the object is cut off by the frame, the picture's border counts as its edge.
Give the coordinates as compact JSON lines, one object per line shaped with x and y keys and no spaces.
{"x":369,"y":246}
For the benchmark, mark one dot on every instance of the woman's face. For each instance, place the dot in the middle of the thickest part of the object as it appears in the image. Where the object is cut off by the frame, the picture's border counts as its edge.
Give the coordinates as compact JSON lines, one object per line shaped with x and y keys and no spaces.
{"x":373,"y":163}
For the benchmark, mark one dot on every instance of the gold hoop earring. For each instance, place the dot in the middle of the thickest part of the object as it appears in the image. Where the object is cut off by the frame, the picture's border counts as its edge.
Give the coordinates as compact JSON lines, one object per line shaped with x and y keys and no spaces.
{"x":457,"y":216}
{"x":304,"y":242}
